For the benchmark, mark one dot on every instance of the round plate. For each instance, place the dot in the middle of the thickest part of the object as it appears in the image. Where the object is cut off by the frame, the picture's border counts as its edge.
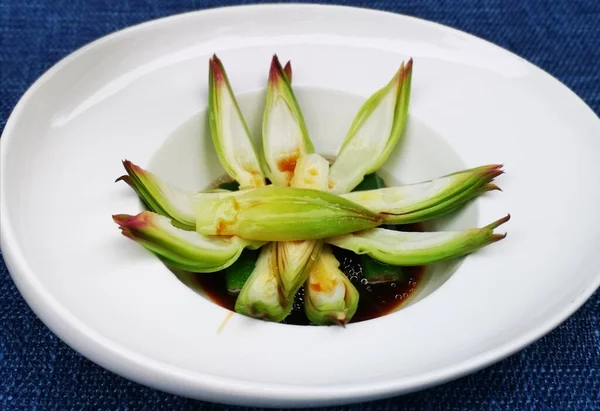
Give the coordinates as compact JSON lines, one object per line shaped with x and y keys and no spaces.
{"x":124,"y":95}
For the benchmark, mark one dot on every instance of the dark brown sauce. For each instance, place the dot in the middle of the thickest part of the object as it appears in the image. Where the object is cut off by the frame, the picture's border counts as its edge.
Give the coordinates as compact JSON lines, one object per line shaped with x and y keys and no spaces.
{"x":375,"y":300}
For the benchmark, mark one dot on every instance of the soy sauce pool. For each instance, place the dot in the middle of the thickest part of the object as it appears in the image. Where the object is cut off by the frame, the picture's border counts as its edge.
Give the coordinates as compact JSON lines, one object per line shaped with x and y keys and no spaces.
{"x":375,"y":300}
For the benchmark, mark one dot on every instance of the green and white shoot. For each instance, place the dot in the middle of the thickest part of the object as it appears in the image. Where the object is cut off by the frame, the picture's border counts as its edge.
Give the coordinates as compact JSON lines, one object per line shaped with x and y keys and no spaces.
{"x":280,"y":214}
{"x":186,"y":250}
{"x":270,"y":240}
{"x":430,"y":199}
{"x":396,"y":205}
{"x":160,"y":196}
{"x":416,"y":248}
{"x":261,"y":295}
{"x":284,"y":135}
{"x":313,"y":172}
{"x":230,"y":134}
{"x":329,"y":296}
{"x":296,"y":258}
{"x":374,"y":133}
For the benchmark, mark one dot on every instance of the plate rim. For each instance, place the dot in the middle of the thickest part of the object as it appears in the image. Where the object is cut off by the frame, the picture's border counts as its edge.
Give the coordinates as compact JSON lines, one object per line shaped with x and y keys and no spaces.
{"x":147,"y":371}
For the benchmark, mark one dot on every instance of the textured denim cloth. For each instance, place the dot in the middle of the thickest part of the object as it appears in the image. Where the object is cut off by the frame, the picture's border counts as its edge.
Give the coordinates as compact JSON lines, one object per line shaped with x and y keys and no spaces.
{"x":560,"y":372}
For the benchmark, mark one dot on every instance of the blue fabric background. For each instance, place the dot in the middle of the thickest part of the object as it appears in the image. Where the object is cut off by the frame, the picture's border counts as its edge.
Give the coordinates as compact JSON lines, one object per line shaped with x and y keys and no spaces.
{"x":560,"y":372}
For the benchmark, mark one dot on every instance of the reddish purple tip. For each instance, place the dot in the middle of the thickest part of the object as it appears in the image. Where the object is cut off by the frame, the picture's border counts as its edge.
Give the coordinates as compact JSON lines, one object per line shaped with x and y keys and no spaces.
{"x":288,"y":71}
{"x":216,"y":69}
{"x":276,"y":71}
{"x":121,"y":219}
{"x":499,"y":222}
{"x":128,"y":233}
{"x":493,"y":166}
{"x":126,"y":179}
{"x":335,"y":320}
{"x":491,"y":173}
{"x":132,"y":168}
{"x":497,"y":237}
{"x":491,"y":187}
{"x":404,"y":71}
{"x":130,"y":222}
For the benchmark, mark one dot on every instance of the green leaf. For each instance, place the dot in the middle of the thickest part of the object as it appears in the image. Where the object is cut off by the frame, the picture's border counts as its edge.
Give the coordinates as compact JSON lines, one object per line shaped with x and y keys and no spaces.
{"x":238,"y":273}
{"x":378,"y":272}
{"x":374,"y":271}
{"x":230,"y":186}
{"x":370,"y":182}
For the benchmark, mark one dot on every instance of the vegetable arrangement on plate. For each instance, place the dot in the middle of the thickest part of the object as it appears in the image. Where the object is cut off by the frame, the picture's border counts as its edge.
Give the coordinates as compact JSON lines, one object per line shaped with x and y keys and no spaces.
{"x":293,"y":207}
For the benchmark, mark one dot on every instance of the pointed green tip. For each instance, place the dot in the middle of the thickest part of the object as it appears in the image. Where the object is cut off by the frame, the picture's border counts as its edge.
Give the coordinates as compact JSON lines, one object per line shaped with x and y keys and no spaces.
{"x":491,"y":172}
{"x":404,"y":75}
{"x":405,"y":71}
{"x":498,"y":223}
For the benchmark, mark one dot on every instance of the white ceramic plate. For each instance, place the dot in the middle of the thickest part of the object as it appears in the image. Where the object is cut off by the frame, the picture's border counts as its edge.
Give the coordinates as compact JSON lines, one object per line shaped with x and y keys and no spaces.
{"x":141,"y":94}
